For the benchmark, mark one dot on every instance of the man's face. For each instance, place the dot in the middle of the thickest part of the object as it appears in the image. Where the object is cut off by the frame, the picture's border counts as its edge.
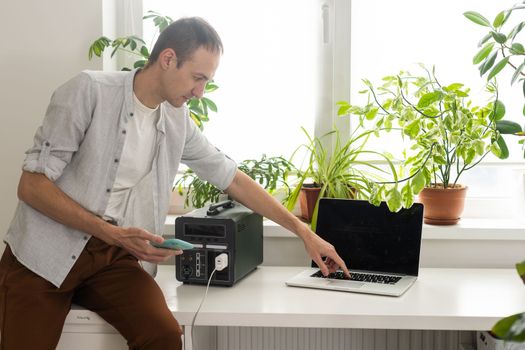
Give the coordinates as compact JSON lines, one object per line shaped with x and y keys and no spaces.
{"x":189,"y":80}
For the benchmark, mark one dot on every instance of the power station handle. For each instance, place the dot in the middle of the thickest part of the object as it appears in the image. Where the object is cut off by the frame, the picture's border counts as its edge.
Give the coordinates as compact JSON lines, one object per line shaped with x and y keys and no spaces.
{"x":214,"y":208}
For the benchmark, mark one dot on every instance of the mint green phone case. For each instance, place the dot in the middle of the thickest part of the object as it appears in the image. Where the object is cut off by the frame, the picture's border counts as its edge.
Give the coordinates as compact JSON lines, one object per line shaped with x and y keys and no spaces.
{"x":174,"y":244}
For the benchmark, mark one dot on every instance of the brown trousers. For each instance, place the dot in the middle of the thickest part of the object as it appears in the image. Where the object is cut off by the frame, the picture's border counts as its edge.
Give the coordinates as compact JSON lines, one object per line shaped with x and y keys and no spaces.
{"x":105,"y":279}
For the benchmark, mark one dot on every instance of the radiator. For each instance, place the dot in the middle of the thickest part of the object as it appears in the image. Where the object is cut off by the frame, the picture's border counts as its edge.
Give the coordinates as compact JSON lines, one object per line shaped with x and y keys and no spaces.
{"x":257,"y":338}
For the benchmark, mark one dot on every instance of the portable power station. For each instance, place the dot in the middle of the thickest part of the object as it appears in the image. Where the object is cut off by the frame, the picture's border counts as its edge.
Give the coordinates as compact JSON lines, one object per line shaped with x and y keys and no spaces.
{"x":226,"y":227}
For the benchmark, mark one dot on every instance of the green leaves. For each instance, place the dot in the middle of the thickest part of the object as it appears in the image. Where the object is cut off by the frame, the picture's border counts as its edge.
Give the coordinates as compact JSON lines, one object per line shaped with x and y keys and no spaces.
{"x":508,"y":127}
{"x":444,"y":131}
{"x":503,"y":149}
{"x":270,"y":172}
{"x":98,"y":47}
{"x":511,"y":328}
{"x":412,"y":129}
{"x":488,"y":63}
{"x":520,"y":267}
{"x":499,"y":111}
{"x":494,"y":42}
{"x":393,"y":199}
{"x":418,"y":182}
{"x":500,"y":19}
{"x":517,"y":49}
{"x":483,"y":53}
{"x":429,"y":98}
{"x":160,"y":21}
{"x":498,"y":67}
{"x":500,"y":38}
{"x":477,"y":18}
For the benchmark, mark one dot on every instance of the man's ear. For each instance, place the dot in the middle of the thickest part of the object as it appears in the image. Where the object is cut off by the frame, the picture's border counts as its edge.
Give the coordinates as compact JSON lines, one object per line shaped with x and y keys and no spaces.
{"x":167,"y":57}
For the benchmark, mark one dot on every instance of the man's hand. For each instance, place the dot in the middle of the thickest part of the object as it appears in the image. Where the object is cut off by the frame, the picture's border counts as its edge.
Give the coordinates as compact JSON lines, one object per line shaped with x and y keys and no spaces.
{"x":137,"y":242}
{"x":318,"y":248}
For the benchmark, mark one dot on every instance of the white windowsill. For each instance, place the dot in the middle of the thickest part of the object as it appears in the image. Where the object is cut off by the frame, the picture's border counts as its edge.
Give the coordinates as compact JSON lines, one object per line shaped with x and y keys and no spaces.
{"x":466,"y":229}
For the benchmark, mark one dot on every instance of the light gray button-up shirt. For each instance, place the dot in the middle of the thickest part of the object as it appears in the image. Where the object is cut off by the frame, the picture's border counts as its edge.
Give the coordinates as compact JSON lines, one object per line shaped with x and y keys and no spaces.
{"x":78,"y":147}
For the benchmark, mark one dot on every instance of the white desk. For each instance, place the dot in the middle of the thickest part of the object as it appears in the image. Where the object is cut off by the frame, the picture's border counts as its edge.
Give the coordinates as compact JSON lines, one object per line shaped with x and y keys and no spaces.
{"x":441,"y":299}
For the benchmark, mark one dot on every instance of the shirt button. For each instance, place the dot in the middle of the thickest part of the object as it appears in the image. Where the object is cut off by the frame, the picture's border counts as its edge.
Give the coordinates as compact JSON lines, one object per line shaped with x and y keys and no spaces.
{"x":123,"y":131}
{"x":73,"y":257}
{"x":116,"y":160}
{"x":108,"y":190}
{"x":131,"y":114}
{"x":48,"y":144}
{"x":85,"y":238}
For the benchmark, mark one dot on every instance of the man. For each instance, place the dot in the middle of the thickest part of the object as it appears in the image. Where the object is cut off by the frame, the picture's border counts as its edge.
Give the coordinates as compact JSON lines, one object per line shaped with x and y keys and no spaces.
{"x":95,"y":191}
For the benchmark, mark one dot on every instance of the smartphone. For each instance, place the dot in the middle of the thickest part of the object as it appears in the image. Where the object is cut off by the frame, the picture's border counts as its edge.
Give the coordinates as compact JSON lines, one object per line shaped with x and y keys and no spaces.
{"x":173,"y":243}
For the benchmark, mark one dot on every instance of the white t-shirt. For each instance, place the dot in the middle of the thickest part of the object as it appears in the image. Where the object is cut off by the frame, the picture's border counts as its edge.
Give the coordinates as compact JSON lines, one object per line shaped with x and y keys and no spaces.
{"x":137,"y":157}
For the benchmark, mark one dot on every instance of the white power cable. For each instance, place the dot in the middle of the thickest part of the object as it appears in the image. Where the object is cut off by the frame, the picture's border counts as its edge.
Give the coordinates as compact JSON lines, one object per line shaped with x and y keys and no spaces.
{"x":221,"y":262}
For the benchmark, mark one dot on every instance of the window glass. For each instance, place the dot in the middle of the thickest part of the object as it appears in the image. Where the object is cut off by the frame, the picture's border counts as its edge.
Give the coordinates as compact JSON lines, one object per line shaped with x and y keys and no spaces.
{"x":390,"y":36}
{"x":266,"y":75}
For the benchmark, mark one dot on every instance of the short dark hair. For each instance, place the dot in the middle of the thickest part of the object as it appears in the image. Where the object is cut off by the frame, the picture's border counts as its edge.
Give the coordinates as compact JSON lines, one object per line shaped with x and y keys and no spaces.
{"x":185,"y":36}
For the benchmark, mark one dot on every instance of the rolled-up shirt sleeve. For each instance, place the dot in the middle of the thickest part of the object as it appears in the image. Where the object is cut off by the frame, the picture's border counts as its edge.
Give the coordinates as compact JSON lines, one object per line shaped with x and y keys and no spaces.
{"x":209,"y":163}
{"x":67,"y":118}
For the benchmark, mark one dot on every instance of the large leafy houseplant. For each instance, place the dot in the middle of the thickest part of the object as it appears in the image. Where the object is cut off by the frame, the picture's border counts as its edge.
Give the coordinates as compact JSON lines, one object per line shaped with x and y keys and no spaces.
{"x":133,"y":45}
{"x":343,"y":172}
{"x":499,"y":47}
{"x":501,"y":44}
{"x":446,"y":132}
{"x":270,"y":172}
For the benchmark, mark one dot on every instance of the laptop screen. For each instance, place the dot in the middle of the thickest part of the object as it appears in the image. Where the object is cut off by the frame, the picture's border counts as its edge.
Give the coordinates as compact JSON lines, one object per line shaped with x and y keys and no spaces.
{"x":372,"y":238}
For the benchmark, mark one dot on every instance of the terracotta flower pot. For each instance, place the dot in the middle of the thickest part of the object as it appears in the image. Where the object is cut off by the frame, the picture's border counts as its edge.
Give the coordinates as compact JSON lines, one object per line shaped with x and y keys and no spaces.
{"x":307,"y":199}
{"x":443,"y":206}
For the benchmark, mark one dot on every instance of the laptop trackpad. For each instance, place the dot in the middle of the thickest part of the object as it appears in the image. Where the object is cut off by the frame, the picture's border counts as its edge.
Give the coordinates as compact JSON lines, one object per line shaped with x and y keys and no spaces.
{"x":345,"y":284}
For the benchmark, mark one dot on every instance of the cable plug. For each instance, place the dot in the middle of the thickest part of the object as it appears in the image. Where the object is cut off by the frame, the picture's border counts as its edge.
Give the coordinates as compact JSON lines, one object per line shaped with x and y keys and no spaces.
{"x":221,"y":261}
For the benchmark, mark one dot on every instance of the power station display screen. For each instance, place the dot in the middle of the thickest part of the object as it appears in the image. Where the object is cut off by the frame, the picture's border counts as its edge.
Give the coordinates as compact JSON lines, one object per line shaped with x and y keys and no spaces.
{"x":204,"y":230}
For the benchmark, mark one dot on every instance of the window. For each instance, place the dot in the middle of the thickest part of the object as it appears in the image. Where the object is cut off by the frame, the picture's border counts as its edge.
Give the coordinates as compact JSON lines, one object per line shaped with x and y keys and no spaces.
{"x":287,"y":62}
{"x":266,"y":76}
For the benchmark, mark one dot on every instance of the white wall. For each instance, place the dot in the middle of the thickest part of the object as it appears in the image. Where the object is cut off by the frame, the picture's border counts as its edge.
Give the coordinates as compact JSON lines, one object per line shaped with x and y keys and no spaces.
{"x":44,"y":43}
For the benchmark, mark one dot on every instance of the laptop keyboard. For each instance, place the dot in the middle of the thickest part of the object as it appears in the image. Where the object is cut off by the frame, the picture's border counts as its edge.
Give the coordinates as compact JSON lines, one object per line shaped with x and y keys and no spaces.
{"x":362,"y":277}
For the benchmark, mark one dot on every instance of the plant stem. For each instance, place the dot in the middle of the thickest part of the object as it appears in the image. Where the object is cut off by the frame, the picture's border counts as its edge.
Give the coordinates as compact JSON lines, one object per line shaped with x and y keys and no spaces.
{"x":509,"y":63}
{"x":411,"y":176}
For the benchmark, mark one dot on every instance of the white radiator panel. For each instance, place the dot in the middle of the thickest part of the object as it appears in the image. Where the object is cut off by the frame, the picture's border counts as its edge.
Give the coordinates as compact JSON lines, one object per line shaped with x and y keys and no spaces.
{"x":257,"y":338}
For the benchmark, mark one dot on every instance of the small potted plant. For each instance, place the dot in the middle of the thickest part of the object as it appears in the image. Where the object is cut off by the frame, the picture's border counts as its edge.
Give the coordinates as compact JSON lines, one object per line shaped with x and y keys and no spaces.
{"x":447,"y":134}
{"x":270,"y":172}
{"x":344,"y":173}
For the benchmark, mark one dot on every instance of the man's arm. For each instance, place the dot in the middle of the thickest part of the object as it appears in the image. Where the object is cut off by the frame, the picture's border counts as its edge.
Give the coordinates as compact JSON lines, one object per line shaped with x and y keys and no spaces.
{"x":37,"y":191}
{"x":251,"y":194}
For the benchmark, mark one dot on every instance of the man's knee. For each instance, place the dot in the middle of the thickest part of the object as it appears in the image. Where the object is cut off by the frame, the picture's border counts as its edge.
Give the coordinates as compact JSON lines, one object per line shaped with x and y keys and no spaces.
{"x":166,"y":334}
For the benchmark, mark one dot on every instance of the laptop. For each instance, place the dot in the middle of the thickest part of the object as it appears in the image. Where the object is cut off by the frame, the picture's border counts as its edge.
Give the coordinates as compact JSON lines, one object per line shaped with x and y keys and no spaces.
{"x":380,"y":248}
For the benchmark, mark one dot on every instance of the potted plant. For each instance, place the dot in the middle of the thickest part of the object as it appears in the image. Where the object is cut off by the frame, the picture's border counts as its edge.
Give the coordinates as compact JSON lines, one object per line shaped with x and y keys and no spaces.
{"x":447,"y":134}
{"x":344,"y":173}
{"x":132,"y":44}
{"x":270,"y":172}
